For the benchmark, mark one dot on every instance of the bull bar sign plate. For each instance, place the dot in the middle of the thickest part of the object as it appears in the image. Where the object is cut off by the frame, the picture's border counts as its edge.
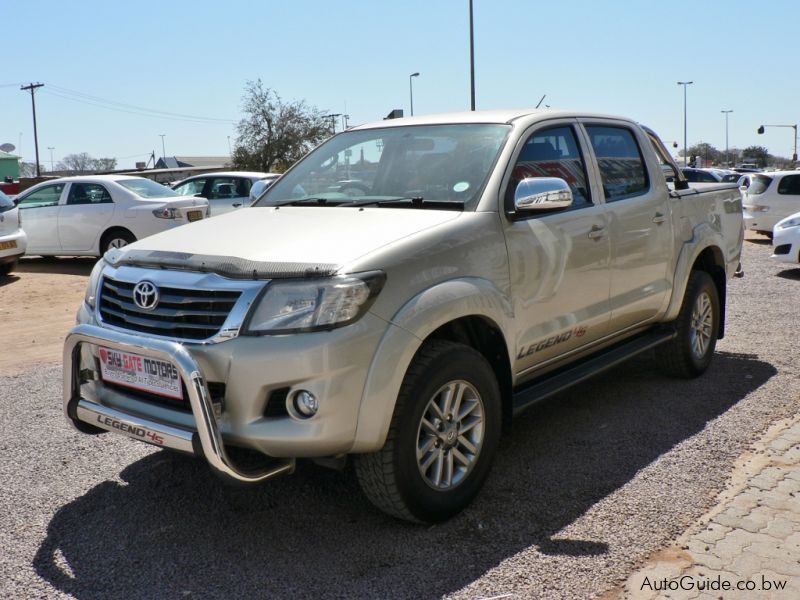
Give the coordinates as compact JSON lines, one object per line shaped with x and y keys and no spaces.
{"x":140,"y":373}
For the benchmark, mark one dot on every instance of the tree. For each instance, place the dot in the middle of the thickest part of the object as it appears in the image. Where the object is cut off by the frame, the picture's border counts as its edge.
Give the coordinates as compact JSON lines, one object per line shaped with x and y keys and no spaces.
{"x":759,"y":154}
{"x":28,"y":169}
{"x":275,"y":134}
{"x":706,"y":152}
{"x":84,"y":163}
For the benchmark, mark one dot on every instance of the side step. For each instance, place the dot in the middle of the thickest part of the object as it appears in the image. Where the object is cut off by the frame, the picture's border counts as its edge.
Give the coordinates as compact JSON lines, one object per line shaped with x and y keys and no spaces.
{"x":556,"y":381}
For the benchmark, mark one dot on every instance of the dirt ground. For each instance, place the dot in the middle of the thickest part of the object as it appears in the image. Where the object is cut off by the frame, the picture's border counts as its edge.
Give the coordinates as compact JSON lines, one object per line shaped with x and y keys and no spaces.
{"x":38,"y":302}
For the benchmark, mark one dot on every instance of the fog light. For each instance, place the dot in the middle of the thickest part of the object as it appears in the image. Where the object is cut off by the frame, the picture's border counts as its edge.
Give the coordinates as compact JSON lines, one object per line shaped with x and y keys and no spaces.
{"x":305,"y":403}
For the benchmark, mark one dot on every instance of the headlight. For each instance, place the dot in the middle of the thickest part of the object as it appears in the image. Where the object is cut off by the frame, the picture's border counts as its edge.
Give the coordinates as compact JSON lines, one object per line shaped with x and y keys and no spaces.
{"x":793,"y":222}
{"x":94,"y":280}
{"x":295,"y":306}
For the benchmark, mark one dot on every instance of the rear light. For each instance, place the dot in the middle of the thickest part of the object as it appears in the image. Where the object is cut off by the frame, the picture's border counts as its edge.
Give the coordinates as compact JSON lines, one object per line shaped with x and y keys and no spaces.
{"x":166,"y":213}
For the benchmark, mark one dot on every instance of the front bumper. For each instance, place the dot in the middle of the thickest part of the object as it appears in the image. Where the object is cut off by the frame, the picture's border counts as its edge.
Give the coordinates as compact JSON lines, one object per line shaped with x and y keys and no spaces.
{"x":205,"y":440}
{"x":786,"y":245}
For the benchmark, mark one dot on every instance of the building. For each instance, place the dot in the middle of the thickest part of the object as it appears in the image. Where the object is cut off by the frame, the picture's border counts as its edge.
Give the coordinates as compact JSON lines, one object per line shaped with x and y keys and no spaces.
{"x":9,"y":166}
{"x":209,"y":162}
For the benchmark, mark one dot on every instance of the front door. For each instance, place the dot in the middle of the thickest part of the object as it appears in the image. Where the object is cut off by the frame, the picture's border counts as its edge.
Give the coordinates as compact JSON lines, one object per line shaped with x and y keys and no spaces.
{"x":228,"y":193}
{"x":85,"y":215}
{"x":38,"y":212}
{"x":558,"y":261}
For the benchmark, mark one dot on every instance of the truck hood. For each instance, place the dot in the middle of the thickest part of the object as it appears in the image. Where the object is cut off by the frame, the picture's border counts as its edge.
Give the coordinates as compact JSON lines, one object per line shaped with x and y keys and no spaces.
{"x":287,"y":241}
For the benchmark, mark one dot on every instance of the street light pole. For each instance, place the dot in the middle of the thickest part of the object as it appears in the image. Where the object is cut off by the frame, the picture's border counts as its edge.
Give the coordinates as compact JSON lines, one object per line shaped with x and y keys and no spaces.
{"x":32,"y":88}
{"x":471,"y":59}
{"x":411,"y":91}
{"x":163,"y":151}
{"x":727,"y":158}
{"x":685,"y":84}
{"x":51,"y":148}
{"x":794,"y":129}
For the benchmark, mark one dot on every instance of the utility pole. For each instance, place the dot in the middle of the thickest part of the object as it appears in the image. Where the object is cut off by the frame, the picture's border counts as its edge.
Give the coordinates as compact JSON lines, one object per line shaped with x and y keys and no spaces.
{"x":685,"y":155}
{"x":31,"y":88}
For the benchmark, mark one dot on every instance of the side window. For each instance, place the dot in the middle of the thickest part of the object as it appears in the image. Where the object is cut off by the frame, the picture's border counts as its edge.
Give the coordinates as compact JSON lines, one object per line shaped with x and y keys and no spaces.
{"x":46,"y":196}
{"x":88,"y":193}
{"x":622,"y":168}
{"x":228,"y":187}
{"x":191,"y":188}
{"x":553,"y":153}
{"x":790,"y":185}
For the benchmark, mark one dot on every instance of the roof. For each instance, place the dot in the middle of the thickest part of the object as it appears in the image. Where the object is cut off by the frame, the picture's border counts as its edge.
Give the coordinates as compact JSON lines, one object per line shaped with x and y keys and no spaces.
{"x":203,"y":161}
{"x":506,"y":116}
{"x":251,"y":174}
{"x":6,"y":155}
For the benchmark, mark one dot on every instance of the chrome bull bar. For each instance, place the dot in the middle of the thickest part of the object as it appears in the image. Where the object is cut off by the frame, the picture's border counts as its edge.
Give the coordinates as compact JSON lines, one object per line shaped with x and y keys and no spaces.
{"x":206,"y":441}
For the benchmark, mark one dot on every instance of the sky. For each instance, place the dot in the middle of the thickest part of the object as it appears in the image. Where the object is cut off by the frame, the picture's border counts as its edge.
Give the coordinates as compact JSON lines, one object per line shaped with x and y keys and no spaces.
{"x":187,"y":64}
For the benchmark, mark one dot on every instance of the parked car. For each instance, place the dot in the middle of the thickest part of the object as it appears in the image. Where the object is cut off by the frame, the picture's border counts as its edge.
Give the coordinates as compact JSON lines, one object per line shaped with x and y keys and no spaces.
{"x":13,"y":240}
{"x":488,"y":261}
{"x":225,"y":191}
{"x":770,"y":198}
{"x":86,"y":216}
{"x":710,"y":175}
{"x":786,"y":239}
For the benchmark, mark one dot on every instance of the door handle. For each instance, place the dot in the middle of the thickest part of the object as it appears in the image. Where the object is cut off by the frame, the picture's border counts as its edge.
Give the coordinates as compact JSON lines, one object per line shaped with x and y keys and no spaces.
{"x":659,"y":218}
{"x":236,"y":204}
{"x":596,"y":232}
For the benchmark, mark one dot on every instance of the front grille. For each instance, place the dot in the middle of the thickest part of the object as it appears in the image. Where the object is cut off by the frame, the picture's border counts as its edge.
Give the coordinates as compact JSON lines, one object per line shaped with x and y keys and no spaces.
{"x":783,"y":249}
{"x":191,"y":314}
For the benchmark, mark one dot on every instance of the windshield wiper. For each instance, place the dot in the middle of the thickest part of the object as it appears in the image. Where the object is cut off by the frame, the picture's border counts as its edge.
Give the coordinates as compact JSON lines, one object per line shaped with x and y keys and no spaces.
{"x":300,"y":201}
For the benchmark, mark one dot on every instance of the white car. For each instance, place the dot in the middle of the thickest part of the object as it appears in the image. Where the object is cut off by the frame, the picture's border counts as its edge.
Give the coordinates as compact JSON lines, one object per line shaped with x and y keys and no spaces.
{"x":770,"y":198}
{"x":786,"y":239}
{"x":87,"y":216}
{"x":13,"y":240}
{"x":225,"y":191}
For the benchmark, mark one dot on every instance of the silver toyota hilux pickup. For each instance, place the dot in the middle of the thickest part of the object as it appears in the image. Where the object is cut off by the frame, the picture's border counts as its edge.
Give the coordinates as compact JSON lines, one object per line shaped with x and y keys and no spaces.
{"x":399,"y":294}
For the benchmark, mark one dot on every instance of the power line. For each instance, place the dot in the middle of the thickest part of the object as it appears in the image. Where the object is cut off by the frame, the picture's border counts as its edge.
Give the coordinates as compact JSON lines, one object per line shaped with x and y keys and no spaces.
{"x":124,"y":106}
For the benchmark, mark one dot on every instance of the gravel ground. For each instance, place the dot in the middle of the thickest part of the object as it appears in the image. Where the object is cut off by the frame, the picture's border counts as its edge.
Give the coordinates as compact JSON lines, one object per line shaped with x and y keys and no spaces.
{"x":585,"y":487}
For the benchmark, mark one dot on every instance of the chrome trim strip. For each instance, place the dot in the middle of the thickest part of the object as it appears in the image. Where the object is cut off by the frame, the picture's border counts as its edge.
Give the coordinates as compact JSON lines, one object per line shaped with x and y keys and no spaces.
{"x":196,"y":387}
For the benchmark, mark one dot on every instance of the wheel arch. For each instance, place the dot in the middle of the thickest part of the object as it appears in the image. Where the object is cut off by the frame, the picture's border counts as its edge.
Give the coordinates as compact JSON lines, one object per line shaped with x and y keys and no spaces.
{"x":107,"y":233}
{"x":469,"y":311}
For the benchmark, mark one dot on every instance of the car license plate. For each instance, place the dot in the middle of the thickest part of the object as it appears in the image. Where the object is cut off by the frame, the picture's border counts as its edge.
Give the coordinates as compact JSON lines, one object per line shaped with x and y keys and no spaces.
{"x":140,"y":372}
{"x":8,"y":245}
{"x":194,"y":215}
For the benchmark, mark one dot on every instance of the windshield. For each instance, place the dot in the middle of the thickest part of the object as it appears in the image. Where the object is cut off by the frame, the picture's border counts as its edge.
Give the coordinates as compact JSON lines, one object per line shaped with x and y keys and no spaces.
{"x":5,"y":203}
{"x":147,"y":188}
{"x":436,"y":163}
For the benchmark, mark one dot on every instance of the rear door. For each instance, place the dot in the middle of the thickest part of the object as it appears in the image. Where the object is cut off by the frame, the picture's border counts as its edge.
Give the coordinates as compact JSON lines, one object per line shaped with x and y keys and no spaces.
{"x":558,"y":261}
{"x":84,"y":216}
{"x":227,"y":193}
{"x":38,"y":215}
{"x":640,"y":227}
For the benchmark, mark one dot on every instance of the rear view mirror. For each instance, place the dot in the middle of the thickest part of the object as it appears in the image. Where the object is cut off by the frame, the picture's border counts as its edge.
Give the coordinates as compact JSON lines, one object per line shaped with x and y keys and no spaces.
{"x":541,"y":194}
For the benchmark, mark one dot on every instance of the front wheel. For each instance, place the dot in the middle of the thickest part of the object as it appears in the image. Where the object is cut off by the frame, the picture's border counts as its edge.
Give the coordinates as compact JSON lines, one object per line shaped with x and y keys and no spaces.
{"x":689,"y":353}
{"x":442,"y":438}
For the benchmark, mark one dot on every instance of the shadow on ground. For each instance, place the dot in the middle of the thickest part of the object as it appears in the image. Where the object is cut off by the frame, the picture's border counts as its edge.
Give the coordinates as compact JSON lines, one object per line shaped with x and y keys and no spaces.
{"x":172,"y":529}
{"x":793,"y":274}
{"x":62,"y":265}
{"x":8,"y":279}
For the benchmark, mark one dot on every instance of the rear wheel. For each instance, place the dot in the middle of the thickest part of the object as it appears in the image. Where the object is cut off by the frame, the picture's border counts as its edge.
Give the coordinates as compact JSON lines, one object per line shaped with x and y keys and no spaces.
{"x":442,"y":439}
{"x":116,"y":238}
{"x":689,"y":353}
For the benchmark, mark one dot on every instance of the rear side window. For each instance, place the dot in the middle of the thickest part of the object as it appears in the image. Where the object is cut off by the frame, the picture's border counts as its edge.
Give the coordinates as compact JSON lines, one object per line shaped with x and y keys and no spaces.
{"x":790,"y":185}
{"x":759,"y":184}
{"x":620,"y":160}
{"x":553,"y":153}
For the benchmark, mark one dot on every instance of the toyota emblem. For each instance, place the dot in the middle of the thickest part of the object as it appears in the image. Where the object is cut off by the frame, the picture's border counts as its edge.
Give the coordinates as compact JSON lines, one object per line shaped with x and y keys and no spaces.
{"x":145,"y":295}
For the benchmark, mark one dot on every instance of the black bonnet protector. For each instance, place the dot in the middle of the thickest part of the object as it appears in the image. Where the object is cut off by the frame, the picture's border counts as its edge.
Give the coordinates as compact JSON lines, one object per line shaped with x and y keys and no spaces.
{"x":227,"y":266}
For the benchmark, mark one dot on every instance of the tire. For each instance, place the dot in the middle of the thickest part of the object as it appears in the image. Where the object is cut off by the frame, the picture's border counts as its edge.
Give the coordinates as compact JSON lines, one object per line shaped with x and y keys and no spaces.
{"x":456,"y":461}
{"x":689,"y":354}
{"x":115,"y":238}
{"x":8,"y":267}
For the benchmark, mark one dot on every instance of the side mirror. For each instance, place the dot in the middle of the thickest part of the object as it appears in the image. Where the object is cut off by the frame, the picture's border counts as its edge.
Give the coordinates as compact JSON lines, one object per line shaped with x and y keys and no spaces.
{"x":535,"y":194}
